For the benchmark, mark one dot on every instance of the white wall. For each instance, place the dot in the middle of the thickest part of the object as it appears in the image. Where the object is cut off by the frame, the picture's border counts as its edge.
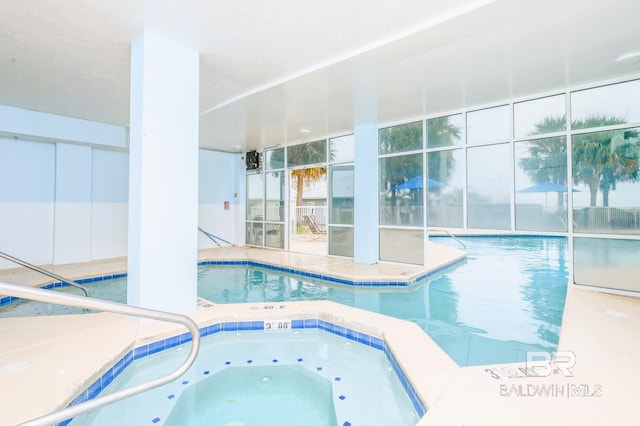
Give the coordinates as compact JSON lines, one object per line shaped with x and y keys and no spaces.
{"x":64,"y":203}
{"x":72,"y":205}
{"x":27,"y":182}
{"x":219,"y":181}
{"x":109,"y":203}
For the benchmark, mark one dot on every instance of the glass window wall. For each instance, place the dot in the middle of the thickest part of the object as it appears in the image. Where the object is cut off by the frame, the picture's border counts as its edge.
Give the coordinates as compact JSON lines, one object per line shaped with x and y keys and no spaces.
{"x":489,"y":187}
{"x":255,"y":209}
{"x":541,"y":184}
{"x":445,"y":131}
{"x":445,"y":188}
{"x":489,"y":125}
{"x":307,"y":153}
{"x":606,"y":173}
{"x":342,"y":149}
{"x":606,"y":105}
{"x":402,"y":138}
{"x":341,"y":205}
{"x":539,"y":116}
{"x":274,"y":159}
{"x":401,"y":190}
{"x":607,"y":262}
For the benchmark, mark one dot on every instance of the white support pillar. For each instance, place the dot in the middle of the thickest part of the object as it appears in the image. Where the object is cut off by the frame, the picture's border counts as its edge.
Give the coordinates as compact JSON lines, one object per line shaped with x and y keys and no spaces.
{"x":365,"y":217}
{"x":163,"y":175}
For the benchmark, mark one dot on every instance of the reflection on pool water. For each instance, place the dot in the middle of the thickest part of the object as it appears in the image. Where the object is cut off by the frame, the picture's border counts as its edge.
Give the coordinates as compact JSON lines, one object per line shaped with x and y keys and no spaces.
{"x":507,"y":298}
{"x":356,"y":383}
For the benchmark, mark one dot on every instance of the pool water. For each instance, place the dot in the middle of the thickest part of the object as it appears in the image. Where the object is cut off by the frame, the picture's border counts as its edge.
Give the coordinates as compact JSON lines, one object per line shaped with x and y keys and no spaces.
{"x":247,"y":395}
{"x":363,"y":388}
{"x":505,"y":299}
{"x":114,"y":290}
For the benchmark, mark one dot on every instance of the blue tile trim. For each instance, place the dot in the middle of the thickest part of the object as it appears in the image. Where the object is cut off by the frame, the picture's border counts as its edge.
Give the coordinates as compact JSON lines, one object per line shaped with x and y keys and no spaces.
{"x":10,"y":299}
{"x":316,"y":275}
{"x":310,"y":323}
{"x":59,"y":284}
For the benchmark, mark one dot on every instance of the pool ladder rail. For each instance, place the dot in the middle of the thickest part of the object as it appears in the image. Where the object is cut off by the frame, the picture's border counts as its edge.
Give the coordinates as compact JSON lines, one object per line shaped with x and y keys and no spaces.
{"x":45,"y":272}
{"x":118,"y":308}
{"x":213,"y":238}
{"x":452,"y":236}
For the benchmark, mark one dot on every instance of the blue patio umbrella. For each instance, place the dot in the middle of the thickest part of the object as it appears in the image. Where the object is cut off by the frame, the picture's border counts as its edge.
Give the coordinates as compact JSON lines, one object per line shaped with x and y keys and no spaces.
{"x":417,"y":183}
{"x":547,"y":187}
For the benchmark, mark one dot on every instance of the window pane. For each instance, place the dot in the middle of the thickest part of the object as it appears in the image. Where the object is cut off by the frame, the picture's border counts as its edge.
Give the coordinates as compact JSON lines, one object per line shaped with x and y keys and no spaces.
{"x":275,"y":196}
{"x":488,"y":177}
{"x":255,"y":196}
{"x":539,"y":116}
{"x":274,"y":235}
{"x":341,"y":241}
{"x":341,"y":198}
{"x":607,"y":105}
{"x":609,"y":263}
{"x":403,"y":138}
{"x":307,"y":153}
{"x":444,"y":131}
{"x":606,"y":171}
{"x":444,"y":195}
{"x":541,"y":184}
{"x":255,"y":235}
{"x":488,"y":125}
{"x":274,"y":159}
{"x":341,"y":150}
{"x":401,"y":189}
{"x":402,"y":245}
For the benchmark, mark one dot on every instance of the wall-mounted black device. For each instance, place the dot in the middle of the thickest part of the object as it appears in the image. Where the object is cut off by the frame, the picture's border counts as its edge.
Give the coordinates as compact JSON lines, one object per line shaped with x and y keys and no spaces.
{"x":252,"y":160}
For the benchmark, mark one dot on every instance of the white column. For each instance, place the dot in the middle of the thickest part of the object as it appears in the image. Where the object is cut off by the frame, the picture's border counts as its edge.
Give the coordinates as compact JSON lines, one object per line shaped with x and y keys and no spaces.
{"x":365,"y":216}
{"x":163,"y":175}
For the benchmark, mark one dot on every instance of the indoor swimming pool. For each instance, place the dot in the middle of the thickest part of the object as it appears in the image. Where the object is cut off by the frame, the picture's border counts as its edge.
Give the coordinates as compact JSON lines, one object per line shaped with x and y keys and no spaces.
{"x":505,"y":299}
{"x":300,"y":376}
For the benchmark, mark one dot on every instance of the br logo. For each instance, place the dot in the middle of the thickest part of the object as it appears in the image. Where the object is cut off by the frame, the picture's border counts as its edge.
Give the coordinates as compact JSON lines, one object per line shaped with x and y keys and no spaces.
{"x":544,"y":364}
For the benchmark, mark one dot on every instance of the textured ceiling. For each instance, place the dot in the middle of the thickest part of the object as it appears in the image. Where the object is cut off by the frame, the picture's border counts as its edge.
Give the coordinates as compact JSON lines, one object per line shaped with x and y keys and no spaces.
{"x":269,"y":68}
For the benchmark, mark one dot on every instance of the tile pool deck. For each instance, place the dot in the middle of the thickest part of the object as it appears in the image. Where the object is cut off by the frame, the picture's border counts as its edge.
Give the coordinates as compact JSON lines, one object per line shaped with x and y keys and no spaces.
{"x":46,"y":362}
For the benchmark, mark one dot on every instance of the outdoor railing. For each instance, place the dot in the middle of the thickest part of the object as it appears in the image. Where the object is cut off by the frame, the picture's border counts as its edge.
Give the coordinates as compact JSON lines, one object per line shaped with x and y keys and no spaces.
{"x":607,"y":217}
{"x":299,"y":212}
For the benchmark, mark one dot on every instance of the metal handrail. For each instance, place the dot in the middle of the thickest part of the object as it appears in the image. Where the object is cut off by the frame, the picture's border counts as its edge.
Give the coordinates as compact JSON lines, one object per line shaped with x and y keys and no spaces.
{"x":118,"y":308}
{"x":212,"y":237}
{"x":454,"y":237}
{"x":45,"y":272}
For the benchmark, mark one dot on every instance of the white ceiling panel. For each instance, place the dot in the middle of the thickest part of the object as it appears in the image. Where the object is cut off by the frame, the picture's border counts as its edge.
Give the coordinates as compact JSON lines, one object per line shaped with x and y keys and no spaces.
{"x":270,"y":68}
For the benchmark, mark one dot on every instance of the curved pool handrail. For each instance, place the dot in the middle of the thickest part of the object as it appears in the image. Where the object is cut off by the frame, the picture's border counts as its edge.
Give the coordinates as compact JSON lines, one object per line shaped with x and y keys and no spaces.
{"x":118,"y":308}
{"x":454,"y":237}
{"x":45,"y":272}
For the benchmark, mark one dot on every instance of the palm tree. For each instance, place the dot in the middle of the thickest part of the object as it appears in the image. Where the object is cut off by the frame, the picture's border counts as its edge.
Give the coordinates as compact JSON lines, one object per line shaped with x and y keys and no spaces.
{"x":601,"y":164}
{"x":597,"y":162}
{"x":298,"y":155}
{"x":442,"y":132}
{"x":548,"y":157}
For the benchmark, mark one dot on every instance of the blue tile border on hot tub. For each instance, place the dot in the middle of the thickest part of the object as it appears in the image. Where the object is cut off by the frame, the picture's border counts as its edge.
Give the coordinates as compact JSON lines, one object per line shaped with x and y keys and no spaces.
{"x":233,"y":326}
